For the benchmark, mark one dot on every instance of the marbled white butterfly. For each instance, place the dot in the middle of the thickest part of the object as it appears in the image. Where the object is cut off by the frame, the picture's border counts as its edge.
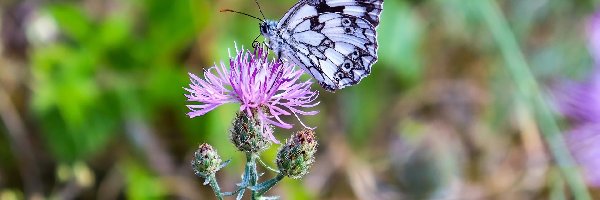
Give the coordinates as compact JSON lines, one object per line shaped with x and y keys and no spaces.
{"x":335,"y":41}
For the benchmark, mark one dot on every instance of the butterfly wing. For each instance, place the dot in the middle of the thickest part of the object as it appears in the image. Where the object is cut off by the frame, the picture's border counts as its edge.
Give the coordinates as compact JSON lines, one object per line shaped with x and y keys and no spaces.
{"x":366,"y":9}
{"x":333,"y":40}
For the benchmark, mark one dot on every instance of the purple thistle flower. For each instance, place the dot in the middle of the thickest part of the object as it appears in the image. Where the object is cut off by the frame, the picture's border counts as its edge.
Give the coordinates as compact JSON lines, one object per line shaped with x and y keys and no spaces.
{"x":584,"y":144}
{"x":267,"y":89}
{"x":580,"y":103}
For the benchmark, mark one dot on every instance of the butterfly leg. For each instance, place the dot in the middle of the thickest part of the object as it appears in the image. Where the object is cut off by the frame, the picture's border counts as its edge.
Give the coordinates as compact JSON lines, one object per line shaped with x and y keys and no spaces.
{"x":279,"y":53}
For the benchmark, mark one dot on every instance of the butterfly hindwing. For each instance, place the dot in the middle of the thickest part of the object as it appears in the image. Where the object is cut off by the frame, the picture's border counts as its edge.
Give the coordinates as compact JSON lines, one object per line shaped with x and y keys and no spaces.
{"x":313,"y":66}
{"x":342,"y":45}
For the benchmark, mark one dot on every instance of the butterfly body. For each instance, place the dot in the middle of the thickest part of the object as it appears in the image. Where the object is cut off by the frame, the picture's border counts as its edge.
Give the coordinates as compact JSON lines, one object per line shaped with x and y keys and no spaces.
{"x":276,"y":36}
{"x":333,"y":40}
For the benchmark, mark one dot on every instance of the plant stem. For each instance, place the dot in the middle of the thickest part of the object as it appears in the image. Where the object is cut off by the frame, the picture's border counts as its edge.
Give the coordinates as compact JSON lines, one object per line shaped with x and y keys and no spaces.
{"x":215,"y":186}
{"x":529,"y":91}
{"x":264,"y":187}
{"x":253,"y":175}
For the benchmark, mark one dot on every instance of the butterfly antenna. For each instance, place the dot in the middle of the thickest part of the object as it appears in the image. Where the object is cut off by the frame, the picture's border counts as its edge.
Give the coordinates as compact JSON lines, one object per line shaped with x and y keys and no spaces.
{"x":260,"y":9}
{"x":229,"y":10}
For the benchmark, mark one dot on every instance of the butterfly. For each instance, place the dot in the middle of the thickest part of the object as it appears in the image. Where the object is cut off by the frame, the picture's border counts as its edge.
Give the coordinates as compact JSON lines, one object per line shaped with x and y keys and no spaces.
{"x":335,"y":41}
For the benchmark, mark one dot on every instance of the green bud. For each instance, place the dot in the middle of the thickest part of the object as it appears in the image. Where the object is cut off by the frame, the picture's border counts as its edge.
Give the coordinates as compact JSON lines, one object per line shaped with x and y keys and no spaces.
{"x":206,"y":161}
{"x":247,"y":133}
{"x":297,"y":155}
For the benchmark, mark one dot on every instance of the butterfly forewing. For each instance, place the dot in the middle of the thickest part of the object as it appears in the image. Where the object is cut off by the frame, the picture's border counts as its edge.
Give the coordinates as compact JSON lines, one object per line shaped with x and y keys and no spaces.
{"x":366,"y":9}
{"x":333,"y":40}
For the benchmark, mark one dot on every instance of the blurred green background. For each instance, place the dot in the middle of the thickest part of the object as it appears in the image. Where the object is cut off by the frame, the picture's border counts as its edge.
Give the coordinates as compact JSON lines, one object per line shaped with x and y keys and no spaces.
{"x":92,"y":105}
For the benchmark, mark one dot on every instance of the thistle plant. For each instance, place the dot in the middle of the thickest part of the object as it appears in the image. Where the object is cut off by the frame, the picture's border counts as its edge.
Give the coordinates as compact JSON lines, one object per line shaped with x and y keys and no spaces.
{"x":266,"y":90}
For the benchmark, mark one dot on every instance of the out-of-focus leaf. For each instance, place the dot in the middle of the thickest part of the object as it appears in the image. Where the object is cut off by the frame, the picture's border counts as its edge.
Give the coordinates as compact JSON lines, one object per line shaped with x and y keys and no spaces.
{"x":459,"y":18}
{"x":11,"y":194}
{"x":141,"y":184}
{"x":402,"y":30}
{"x":5,"y":149}
{"x":359,"y":116}
{"x":74,"y":114}
{"x":114,"y":31}
{"x":71,"y":143}
{"x":160,"y":84}
{"x":71,"y":20}
{"x":295,"y":190}
{"x":171,"y":27}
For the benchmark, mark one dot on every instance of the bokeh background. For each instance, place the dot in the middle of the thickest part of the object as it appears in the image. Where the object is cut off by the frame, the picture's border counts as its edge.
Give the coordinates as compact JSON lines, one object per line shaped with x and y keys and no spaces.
{"x":459,"y":105}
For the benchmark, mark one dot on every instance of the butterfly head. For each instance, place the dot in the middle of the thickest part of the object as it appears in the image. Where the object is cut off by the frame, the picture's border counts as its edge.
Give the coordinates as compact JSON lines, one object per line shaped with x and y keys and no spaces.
{"x":268,"y":28}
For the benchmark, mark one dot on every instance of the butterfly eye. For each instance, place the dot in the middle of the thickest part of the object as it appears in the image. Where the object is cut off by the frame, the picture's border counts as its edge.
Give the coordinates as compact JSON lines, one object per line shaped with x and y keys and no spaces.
{"x":263,"y":28}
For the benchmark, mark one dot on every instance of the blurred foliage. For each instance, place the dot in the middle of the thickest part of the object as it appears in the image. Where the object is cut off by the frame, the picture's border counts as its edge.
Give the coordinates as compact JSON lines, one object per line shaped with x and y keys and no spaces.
{"x":437,"y":118}
{"x":142,"y":183}
{"x":83,"y":86}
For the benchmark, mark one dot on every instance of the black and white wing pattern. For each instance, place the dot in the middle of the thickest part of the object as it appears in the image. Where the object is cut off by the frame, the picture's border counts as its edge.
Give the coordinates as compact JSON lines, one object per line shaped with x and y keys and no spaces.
{"x":333,"y":40}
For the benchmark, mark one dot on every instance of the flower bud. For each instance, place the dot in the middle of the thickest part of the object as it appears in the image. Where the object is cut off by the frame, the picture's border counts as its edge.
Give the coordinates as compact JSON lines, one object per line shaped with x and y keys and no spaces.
{"x":247,"y":133}
{"x":297,"y":155}
{"x":206,"y":161}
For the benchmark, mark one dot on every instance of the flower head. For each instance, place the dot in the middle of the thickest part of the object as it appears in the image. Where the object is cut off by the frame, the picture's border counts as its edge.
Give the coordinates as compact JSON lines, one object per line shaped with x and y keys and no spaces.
{"x":206,"y":161}
{"x":298,"y":154}
{"x":267,"y":88}
{"x":246,"y":135}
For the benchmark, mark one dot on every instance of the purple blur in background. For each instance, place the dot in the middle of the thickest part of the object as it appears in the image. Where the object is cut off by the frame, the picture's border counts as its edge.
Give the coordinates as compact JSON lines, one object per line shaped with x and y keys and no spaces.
{"x":580,"y":103}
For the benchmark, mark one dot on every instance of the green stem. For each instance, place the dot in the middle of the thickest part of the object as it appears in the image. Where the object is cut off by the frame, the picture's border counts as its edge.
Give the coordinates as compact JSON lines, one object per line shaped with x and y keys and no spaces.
{"x":264,"y":187}
{"x":215,"y":186}
{"x":233,"y":193}
{"x":253,"y":175}
{"x":529,"y":91}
